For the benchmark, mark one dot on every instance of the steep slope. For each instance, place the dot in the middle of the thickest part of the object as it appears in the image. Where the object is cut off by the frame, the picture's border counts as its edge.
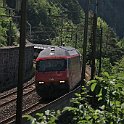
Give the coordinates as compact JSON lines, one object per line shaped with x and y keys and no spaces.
{"x":112,"y":12}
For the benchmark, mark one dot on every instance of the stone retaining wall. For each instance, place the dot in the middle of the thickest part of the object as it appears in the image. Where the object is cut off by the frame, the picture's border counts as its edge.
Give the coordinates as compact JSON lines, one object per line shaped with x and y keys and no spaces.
{"x":9,"y":65}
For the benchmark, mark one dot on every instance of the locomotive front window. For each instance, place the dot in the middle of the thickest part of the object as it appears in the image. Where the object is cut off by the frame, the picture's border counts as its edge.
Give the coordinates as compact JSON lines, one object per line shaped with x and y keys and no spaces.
{"x":51,"y":65}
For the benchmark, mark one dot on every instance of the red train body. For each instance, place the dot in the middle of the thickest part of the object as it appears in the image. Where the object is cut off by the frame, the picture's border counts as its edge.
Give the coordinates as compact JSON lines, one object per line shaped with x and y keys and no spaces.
{"x":58,"y":70}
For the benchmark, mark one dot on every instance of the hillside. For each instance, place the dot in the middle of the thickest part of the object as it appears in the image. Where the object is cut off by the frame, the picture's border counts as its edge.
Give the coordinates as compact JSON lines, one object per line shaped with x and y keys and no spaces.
{"x":112,"y":12}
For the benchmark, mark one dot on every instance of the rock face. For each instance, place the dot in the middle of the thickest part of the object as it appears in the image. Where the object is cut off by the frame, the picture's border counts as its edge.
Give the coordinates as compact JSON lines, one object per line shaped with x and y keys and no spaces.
{"x":112,"y":11}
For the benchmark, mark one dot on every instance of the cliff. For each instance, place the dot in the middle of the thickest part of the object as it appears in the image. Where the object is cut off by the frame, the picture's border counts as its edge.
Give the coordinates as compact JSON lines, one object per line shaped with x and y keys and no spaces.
{"x":112,"y":12}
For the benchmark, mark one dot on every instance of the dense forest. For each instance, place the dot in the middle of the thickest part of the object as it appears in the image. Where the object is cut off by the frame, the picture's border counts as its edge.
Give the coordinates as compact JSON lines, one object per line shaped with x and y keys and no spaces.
{"x":57,"y":21}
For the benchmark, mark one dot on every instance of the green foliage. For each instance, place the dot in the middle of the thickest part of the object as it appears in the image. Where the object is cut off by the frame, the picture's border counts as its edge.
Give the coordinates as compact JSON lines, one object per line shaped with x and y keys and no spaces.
{"x":112,"y":47}
{"x":108,"y":96}
{"x":48,"y":117}
{"x":74,"y":10}
{"x":106,"y":65}
{"x":118,"y":69}
{"x":5,"y":31}
{"x":121,"y":43}
{"x":56,"y":21}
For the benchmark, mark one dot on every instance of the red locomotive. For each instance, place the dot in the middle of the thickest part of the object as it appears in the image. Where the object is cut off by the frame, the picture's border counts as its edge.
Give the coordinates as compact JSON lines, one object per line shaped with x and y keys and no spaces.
{"x":58,"y":70}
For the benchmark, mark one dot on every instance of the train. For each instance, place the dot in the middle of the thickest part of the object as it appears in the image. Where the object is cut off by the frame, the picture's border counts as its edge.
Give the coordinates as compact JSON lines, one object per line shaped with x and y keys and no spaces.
{"x":38,"y":48}
{"x":58,"y":70}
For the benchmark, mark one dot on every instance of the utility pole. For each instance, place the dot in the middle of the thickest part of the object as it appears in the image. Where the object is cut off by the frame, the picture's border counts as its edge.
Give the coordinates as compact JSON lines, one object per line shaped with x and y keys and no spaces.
{"x":29,"y":29}
{"x":93,"y":67}
{"x":21,"y":63}
{"x":10,"y":33}
{"x":61,"y":29}
{"x":85,"y":42}
{"x":100,"y":51}
{"x":4,"y":3}
{"x":10,"y":30}
{"x":76,"y":38}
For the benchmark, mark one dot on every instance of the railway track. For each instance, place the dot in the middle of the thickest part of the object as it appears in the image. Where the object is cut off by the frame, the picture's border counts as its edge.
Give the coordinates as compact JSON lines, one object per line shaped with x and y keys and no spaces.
{"x":28,"y":110}
{"x":12,"y":113}
{"x":58,"y":103}
{"x":33,"y":107}
{"x":8,"y":98}
{"x":41,"y":107}
{"x":11,"y":119}
{"x":14,"y":90}
{"x":8,"y":101}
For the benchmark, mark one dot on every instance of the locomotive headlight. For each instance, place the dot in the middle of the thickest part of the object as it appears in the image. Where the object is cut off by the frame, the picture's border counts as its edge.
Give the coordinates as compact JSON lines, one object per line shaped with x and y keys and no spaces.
{"x":41,"y":82}
{"x":62,"y":81}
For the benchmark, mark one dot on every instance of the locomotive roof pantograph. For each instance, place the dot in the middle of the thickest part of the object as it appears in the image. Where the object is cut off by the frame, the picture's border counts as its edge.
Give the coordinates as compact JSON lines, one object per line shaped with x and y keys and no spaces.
{"x":58,"y":51}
